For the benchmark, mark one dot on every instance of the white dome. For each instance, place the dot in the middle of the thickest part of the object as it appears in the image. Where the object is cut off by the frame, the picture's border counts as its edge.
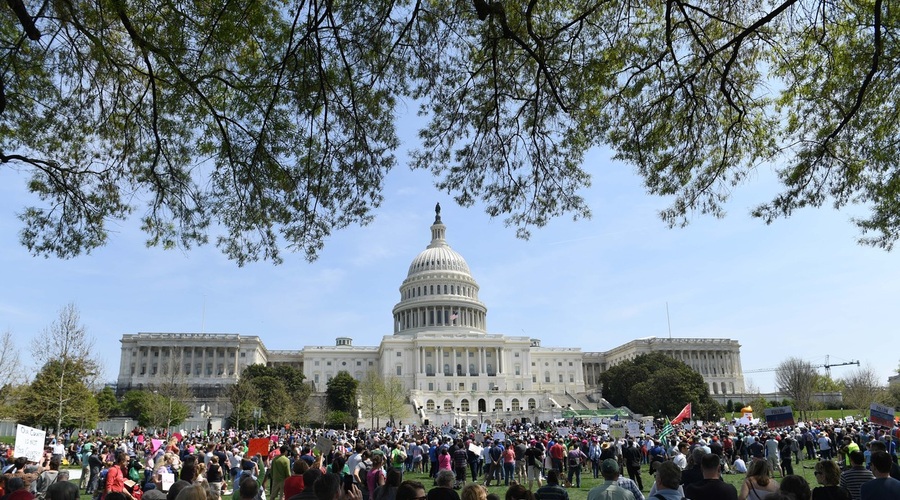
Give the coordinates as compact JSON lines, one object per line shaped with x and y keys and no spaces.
{"x":438,"y":258}
{"x":439,"y":292}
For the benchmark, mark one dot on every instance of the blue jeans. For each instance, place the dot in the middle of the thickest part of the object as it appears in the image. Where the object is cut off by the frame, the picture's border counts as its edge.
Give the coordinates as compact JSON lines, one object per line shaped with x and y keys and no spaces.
{"x":509,"y":469}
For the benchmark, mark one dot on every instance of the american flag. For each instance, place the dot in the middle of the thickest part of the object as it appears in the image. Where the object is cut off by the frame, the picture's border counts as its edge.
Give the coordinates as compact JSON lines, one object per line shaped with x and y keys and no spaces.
{"x":454,"y":316}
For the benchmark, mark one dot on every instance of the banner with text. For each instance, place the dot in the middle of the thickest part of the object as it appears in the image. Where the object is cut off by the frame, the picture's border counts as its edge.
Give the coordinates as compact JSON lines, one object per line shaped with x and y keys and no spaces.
{"x":30,"y":443}
{"x":781,"y":416}
{"x":881,"y":415}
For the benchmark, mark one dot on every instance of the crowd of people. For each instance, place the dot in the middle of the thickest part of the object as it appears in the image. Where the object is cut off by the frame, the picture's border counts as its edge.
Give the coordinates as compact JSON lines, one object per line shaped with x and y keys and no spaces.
{"x":533,"y":462}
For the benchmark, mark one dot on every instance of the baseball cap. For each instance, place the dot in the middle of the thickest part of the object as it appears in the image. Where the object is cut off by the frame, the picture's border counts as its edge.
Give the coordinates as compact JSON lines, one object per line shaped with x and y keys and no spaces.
{"x":609,"y":466}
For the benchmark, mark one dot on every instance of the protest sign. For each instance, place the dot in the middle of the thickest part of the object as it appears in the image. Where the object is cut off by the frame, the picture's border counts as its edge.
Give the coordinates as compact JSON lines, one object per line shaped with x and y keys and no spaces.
{"x":30,"y":443}
{"x":781,"y":416}
{"x":881,"y":415}
{"x":167,"y":480}
{"x":257,"y":446}
{"x":324,"y":445}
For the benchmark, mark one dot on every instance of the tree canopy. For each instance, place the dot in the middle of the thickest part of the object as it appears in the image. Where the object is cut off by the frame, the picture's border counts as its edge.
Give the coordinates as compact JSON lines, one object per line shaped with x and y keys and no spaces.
{"x":798,"y":379}
{"x":273,"y":124}
{"x":278,"y":392}
{"x":657,"y":384}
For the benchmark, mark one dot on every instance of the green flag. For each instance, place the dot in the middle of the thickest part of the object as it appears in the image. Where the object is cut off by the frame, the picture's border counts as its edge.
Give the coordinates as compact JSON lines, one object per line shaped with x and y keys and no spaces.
{"x":666,"y":430}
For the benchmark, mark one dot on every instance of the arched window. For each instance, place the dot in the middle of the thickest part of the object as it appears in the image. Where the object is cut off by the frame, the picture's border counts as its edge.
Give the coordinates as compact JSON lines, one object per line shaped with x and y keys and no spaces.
{"x":429,"y":370}
{"x":532,"y":404}
{"x":547,"y":377}
{"x":472,"y":369}
{"x":464,"y":405}
{"x":448,"y":405}
{"x":515,"y":405}
{"x":498,"y":404}
{"x":429,"y":405}
{"x":447,"y":369}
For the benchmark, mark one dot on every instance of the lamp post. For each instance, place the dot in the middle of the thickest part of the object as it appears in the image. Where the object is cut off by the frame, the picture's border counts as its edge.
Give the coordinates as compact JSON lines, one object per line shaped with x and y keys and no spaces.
{"x":257,"y":412}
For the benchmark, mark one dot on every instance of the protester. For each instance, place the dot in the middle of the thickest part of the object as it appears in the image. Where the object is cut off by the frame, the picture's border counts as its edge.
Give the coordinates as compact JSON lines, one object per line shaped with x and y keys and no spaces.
{"x":609,"y":490}
{"x":795,"y":486}
{"x":758,"y":483}
{"x":828,"y":474}
{"x":711,"y":487}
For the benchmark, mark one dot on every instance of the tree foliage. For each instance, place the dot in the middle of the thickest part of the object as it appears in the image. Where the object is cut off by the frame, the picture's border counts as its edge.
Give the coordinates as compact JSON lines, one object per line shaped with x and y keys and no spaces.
{"x":58,"y":397}
{"x":107,"y":404}
{"x":340,"y":393}
{"x":277,"y":121}
{"x":862,"y":388}
{"x":798,"y":379}
{"x":154,"y":409}
{"x":279,"y":392}
{"x":65,"y":351}
{"x":657,"y":384}
{"x":382,"y":397}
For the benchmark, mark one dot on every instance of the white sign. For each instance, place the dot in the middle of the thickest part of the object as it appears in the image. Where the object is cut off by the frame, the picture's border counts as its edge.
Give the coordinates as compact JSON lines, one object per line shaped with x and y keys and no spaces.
{"x":499,"y":436}
{"x":484,"y":427}
{"x":30,"y":443}
{"x":848,"y":419}
{"x":633,"y":427}
{"x":167,"y":479}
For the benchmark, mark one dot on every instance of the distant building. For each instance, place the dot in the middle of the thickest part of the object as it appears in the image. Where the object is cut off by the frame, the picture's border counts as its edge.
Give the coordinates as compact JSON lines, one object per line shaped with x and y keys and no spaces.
{"x":440,"y":348}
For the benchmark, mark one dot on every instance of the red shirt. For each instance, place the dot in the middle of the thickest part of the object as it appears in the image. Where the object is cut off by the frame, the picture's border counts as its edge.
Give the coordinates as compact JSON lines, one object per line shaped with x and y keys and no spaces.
{"x":115,"y":480}
{"x":293,"y":485}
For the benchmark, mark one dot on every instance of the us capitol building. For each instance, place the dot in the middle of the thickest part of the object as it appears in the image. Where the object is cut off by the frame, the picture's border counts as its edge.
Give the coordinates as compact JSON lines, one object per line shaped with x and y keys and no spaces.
{"x":440,"y":349}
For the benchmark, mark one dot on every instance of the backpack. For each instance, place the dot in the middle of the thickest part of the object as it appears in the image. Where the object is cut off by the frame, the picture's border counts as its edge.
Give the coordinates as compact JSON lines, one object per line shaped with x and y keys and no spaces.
{"x":574,"y":459}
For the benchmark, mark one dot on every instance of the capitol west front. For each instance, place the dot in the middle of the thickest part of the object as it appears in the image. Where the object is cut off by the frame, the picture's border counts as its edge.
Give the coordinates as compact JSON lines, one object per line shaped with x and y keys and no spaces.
{"x":440,"y":349}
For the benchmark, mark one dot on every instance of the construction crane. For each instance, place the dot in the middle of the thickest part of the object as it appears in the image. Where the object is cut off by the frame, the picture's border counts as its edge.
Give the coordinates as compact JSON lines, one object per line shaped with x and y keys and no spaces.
{"x":827,"y":366}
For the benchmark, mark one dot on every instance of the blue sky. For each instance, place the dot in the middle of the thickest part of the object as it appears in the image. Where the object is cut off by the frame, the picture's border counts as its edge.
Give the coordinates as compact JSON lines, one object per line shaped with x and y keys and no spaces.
{"x":800,"y":287}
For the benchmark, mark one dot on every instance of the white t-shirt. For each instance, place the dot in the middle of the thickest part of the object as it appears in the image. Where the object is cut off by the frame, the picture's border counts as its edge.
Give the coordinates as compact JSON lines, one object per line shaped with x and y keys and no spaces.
{"x":739,"y":466}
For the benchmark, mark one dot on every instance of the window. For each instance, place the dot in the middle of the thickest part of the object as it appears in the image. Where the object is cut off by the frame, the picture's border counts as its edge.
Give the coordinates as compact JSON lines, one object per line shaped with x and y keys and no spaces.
{"x":498,"y":404}
{"x":532,"y":404}
{"x":430,"y":386}
{"x":359,"y":363}
{"x":243,"y":354}
{"x":398,"y":354}
{"x":560,"y":377}
{"x":429,"y":370}
{"x":449,"y":387}
{"x":547,"y":377}
{"x":559,"y":363}
{"x":516,"y":354}
{"x":429,"y":405}
{"x":518,"y":370}
{"x":427,"y":354}
{"x":399,"y":369}
{"x":316,"y":363}
{"x":316,"y":377}
{"x":571,"y":377}
{"x":570,"y":363}
{"x":328,"y":363}
{"x":448,"y":405}
{"x":370,"y":363}
{"x":515,"y":405}
{"x":534,"y":379}
{"x":474,"y":386}
{"x":462,"y":386}
{"x":464,"y":405}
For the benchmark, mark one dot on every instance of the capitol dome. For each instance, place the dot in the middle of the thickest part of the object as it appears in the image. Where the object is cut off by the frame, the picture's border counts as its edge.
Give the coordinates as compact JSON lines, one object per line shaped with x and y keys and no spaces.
{"x":439,"y":292}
